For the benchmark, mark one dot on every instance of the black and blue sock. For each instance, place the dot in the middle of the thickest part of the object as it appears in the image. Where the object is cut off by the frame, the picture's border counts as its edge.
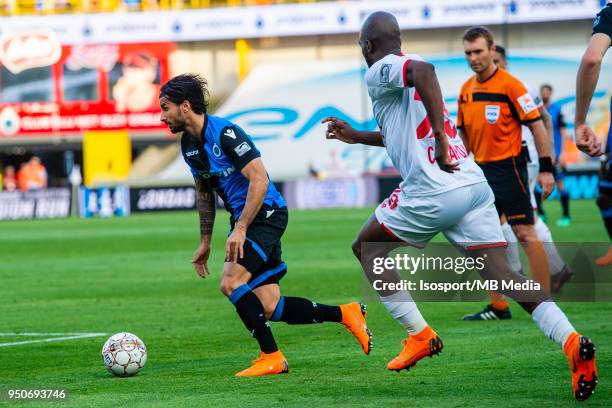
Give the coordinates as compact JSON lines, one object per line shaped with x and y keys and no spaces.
{"x":296,"y":310}
{"x":251,"y":312}
{"x":564,"y":197}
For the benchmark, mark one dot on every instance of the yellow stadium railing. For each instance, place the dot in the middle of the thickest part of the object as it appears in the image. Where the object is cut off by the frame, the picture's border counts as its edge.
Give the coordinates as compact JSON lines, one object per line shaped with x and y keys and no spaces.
{"x":33,"y":7}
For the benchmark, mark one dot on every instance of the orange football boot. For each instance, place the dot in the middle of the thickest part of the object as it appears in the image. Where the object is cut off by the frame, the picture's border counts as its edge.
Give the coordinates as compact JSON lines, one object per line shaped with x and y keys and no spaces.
{"x":266,"y":364}
{"x":353,"y":318}
{"x":580,"y":353}
{"x":425,"y":343}
{"x":606,"y":259}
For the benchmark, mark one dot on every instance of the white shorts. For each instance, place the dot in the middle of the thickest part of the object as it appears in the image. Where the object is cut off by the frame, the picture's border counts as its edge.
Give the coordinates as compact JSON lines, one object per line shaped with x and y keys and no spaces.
{"x":466,"y":216}
{"x":533,"y":169}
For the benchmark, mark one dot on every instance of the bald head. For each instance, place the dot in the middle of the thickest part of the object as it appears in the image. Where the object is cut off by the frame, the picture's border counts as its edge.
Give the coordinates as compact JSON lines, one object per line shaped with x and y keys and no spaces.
{"x":380,"y":36}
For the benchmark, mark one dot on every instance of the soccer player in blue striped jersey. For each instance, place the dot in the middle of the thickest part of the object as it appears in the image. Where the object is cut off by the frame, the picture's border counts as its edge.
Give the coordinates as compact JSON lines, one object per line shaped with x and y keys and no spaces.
{"x":224,"y":159}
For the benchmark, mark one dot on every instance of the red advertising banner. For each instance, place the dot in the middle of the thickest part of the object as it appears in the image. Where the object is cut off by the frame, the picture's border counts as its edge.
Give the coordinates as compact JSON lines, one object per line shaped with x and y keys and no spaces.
{"x":51,"y":90}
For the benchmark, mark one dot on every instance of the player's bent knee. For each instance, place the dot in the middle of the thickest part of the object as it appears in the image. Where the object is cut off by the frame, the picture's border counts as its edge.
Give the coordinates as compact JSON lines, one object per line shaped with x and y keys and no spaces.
{"x":228,"y":286}
{"x":525,"y":233}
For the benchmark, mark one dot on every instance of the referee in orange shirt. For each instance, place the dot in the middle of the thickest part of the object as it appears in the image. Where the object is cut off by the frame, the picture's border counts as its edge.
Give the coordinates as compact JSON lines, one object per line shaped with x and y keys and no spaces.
{"x":492,"y":107}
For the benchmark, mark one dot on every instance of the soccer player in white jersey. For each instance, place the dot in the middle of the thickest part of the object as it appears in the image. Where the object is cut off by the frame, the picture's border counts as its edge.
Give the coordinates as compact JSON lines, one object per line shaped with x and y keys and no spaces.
{"x":443,"y":190}
{"x":559,"y":270}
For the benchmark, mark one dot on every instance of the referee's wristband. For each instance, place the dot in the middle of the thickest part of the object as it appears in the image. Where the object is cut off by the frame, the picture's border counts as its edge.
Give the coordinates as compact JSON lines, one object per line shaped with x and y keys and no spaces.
{"x":546,"y":165}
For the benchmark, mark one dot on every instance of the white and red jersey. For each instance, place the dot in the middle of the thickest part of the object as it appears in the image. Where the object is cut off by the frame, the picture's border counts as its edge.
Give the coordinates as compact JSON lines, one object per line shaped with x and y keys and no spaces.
{"x":407,"y":132}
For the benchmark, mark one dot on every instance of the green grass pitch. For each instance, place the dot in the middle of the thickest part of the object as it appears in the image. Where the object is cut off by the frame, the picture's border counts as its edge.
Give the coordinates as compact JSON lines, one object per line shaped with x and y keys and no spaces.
{"x":134,"y":274}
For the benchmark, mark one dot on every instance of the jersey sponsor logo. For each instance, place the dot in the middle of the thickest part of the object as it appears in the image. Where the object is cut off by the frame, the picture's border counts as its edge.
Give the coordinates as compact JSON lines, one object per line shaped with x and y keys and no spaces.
{"x":191,"y":153}
{"x":230,"y":133}
{"x":225,"y":172}
{"x":527,"y":103}
{"x":492,"y":113}
{"x":228,"y":171}
{"x":242,"y":148}
{"x":269,"y":213}
{"x":384,"y":73}
{"x":455,"y":152}
{"x":216,"y":150}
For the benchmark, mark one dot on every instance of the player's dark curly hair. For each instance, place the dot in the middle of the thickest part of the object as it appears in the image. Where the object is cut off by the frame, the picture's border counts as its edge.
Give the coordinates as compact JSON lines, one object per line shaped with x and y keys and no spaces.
{"x":187,"y":87}
{"x":473,"y":33}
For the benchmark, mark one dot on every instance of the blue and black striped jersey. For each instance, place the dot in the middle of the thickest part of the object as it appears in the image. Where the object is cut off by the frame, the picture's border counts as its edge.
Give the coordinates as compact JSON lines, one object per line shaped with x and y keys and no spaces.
{"x":225,"y":151}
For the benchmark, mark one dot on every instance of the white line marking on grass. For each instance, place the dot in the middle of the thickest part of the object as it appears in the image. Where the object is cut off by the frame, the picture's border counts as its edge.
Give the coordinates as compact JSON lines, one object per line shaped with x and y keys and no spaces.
{"x":48,"y":334}
{"x":65,"y":336}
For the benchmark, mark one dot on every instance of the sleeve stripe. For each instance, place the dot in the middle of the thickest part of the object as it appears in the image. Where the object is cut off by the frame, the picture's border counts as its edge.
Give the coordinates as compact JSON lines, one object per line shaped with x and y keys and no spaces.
{"x":405,"y":71}
{"x":531,"y":120}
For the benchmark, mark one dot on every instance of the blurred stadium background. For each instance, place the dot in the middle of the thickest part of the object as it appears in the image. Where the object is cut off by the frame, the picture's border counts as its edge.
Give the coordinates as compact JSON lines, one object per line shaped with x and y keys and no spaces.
{"x":79,"y":83}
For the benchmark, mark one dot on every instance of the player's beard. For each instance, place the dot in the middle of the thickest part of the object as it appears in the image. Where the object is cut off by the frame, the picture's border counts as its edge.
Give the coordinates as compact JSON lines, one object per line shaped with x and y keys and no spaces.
{"x":178,"y":125}
{"x":177,"y":128}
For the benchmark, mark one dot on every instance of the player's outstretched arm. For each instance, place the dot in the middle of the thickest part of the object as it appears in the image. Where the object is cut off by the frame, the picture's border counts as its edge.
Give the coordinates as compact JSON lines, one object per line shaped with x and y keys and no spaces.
{"x":588,"y":75}
{"x":205,"y":202}
{"x":586,"y":81}
{"x":341,"y":130}
{"x":255,"y":172}
{"x":422,"y":75}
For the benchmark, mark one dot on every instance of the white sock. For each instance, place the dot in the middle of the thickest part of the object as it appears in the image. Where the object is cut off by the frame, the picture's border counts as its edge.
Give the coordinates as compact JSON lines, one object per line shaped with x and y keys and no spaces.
{"x":553,"y":322}
{"x":555,"y":262}
{"x":403,"y":309}
{"x":512,"y":252}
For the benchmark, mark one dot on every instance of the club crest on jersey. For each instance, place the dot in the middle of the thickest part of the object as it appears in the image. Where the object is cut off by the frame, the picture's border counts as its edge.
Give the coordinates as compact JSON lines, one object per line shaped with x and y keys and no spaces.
{"x":384,"y":73}
{"x":492,"y":113}
{"x":216,"y":150}
{"x":230,"y":133}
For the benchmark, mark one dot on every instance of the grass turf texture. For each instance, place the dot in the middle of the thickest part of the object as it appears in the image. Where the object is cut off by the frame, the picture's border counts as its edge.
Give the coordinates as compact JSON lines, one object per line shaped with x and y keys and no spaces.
{"x":134,"y":274}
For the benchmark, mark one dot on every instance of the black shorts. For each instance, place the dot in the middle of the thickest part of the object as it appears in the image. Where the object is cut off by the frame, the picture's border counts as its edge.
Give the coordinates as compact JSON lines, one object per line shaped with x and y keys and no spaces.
{"x":605,"y":181}
{"x":603,"y":21}
{"x":262,"y":248}
{"x":559,"y":172}
{"x":509,"y":181}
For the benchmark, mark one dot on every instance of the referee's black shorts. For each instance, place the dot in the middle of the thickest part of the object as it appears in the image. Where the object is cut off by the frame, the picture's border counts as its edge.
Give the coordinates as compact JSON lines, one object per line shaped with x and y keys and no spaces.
{"x":509,"y":181}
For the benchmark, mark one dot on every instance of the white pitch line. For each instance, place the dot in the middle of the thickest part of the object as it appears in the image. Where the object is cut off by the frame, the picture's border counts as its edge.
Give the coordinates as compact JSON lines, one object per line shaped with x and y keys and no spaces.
{"x":48,"y":334}
{"x":81,"y":336}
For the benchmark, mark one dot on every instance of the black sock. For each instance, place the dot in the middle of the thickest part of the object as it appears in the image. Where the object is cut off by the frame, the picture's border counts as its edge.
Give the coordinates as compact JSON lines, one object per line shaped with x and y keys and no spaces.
{"x":251,"y":312}
{"x":538,"y":197}
{"x":608,"y":223}
{"x":565,"y":203}
{"x":295,"y":310}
